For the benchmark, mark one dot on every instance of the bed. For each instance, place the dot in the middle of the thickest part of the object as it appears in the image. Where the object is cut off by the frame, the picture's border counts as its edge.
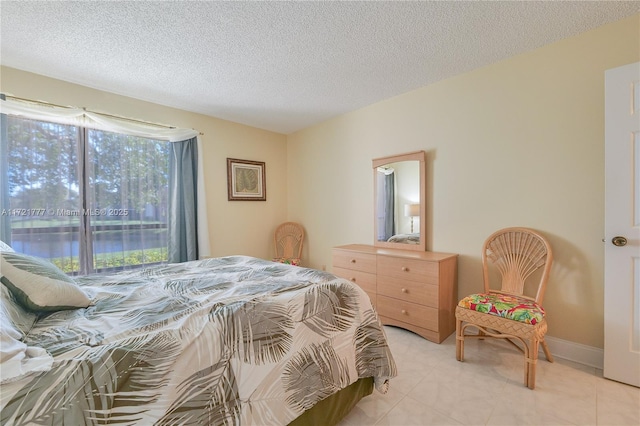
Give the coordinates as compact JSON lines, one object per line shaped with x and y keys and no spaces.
{"x":223,"y":341}
{"x":413,"y":238}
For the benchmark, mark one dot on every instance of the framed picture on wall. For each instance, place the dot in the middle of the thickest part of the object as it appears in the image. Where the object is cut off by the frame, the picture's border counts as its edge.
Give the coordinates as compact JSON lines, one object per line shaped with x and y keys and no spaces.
{"x":246,"y":180}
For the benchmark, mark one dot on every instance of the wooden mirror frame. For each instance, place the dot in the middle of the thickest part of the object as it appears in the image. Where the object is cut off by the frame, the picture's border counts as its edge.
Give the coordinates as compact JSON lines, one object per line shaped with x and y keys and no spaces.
{"x":419,"y":156}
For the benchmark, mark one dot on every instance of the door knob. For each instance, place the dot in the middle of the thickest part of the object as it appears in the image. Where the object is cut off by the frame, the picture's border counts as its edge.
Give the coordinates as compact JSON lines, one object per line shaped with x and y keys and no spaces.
{"x":619,"y":241}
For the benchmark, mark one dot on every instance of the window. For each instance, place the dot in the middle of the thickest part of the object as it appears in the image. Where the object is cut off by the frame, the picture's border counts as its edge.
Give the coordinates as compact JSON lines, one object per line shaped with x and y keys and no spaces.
{"x":88,"y":200}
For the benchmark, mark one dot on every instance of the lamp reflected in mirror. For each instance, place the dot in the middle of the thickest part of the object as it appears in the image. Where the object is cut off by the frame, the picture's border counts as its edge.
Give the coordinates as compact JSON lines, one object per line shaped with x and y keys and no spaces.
{"x":411,"y":211}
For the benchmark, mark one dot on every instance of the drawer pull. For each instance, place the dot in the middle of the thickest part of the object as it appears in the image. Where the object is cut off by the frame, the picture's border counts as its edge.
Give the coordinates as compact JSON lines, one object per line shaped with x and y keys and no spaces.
{"x":405,"y":269}
{"x":404,"y":290}
{"x":353,"y":279}
{"x":353,"y":261}
{"x":404,"y":312}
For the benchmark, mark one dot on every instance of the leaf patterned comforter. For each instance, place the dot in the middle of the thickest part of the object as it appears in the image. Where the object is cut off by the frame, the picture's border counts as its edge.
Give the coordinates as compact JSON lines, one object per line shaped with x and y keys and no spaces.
{"x":231,"y":340}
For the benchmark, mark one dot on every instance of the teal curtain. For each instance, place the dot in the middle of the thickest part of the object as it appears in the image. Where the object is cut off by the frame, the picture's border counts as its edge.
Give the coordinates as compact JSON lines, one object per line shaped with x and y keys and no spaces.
{"x":389,"y":206}
{"x":183,"y":202}
{"x":5,"y":218}
{"x":385,"y":208}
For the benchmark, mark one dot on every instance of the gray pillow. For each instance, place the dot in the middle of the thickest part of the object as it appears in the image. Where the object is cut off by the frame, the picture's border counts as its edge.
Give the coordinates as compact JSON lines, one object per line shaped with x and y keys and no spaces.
{"x":38,"y":285}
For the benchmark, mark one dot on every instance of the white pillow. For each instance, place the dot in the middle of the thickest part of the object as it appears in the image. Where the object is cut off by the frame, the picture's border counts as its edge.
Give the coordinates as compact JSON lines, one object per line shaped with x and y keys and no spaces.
{"x":16,"y":358}
{"x":5,"y":247}
{"x":38,"y":285}
{"x":21,"y":319}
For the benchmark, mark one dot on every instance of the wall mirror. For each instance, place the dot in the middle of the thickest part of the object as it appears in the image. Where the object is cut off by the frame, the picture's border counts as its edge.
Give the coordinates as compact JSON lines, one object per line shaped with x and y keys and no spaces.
{"x":399,"y":198}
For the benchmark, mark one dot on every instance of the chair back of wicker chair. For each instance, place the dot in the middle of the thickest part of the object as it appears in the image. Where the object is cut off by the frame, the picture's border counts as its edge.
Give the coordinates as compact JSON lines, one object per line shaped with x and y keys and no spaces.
{"x":516,"y":253}
{"x":288,"y":240}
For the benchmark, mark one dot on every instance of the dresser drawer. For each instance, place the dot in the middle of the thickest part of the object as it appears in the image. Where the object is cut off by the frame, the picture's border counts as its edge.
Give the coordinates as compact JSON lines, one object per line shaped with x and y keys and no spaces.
{"x":410,"y":291}
{"x":365,"y":280}
{"x":411,"y":313}
{"x":408,"y":269}
{"x":354,"y":260}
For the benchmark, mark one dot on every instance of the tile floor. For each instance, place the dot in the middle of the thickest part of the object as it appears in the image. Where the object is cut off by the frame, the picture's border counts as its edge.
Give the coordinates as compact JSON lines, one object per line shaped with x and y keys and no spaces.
{"x":432,"y":388}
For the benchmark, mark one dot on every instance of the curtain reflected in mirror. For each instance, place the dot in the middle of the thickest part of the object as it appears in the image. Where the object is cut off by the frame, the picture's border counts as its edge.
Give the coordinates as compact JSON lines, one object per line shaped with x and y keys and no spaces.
{"x":386,"y":203}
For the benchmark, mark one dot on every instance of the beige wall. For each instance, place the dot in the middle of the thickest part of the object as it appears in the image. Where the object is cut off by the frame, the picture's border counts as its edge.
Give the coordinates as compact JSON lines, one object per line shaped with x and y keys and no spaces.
{"x":517,"y":143}
{"x":238,"y":227}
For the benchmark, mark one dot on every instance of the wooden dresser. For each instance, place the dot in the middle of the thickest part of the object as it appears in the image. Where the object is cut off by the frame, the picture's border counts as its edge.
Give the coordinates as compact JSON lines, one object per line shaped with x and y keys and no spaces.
{"x":415,"y":290}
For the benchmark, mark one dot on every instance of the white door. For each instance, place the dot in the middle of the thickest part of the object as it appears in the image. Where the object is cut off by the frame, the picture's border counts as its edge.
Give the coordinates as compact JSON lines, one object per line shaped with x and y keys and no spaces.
{"x":622,"y":225}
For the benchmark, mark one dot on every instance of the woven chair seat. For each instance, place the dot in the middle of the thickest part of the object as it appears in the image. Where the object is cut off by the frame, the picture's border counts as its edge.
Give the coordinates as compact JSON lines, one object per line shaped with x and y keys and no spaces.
{"x":287,"y":260}
{"x":505,"y":326}
{"x":506,"y":306}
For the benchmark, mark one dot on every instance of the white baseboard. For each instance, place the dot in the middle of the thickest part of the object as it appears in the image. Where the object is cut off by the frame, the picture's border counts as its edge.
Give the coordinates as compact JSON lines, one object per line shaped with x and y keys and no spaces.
{"x":565,"y":349}
{"x":576,"y":352}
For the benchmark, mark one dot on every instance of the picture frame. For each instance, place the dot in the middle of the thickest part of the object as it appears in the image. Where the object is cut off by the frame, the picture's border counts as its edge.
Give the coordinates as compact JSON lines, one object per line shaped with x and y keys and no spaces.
{"x":246,"y":180}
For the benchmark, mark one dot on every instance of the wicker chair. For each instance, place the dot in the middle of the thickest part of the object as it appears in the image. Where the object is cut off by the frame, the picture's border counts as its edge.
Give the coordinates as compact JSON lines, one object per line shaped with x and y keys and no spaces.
{"x":287,"y":241}
{"x":507,"y":313}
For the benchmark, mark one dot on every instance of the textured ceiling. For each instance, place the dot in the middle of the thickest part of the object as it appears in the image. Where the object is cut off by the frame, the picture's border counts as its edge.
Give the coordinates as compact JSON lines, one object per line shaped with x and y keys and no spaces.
{"x":281,"y":66}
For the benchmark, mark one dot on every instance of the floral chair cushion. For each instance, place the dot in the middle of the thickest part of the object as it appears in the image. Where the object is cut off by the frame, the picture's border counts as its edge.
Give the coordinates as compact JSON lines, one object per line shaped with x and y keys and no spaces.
{"x":506,"y":306}
{"x":287,"y":260}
